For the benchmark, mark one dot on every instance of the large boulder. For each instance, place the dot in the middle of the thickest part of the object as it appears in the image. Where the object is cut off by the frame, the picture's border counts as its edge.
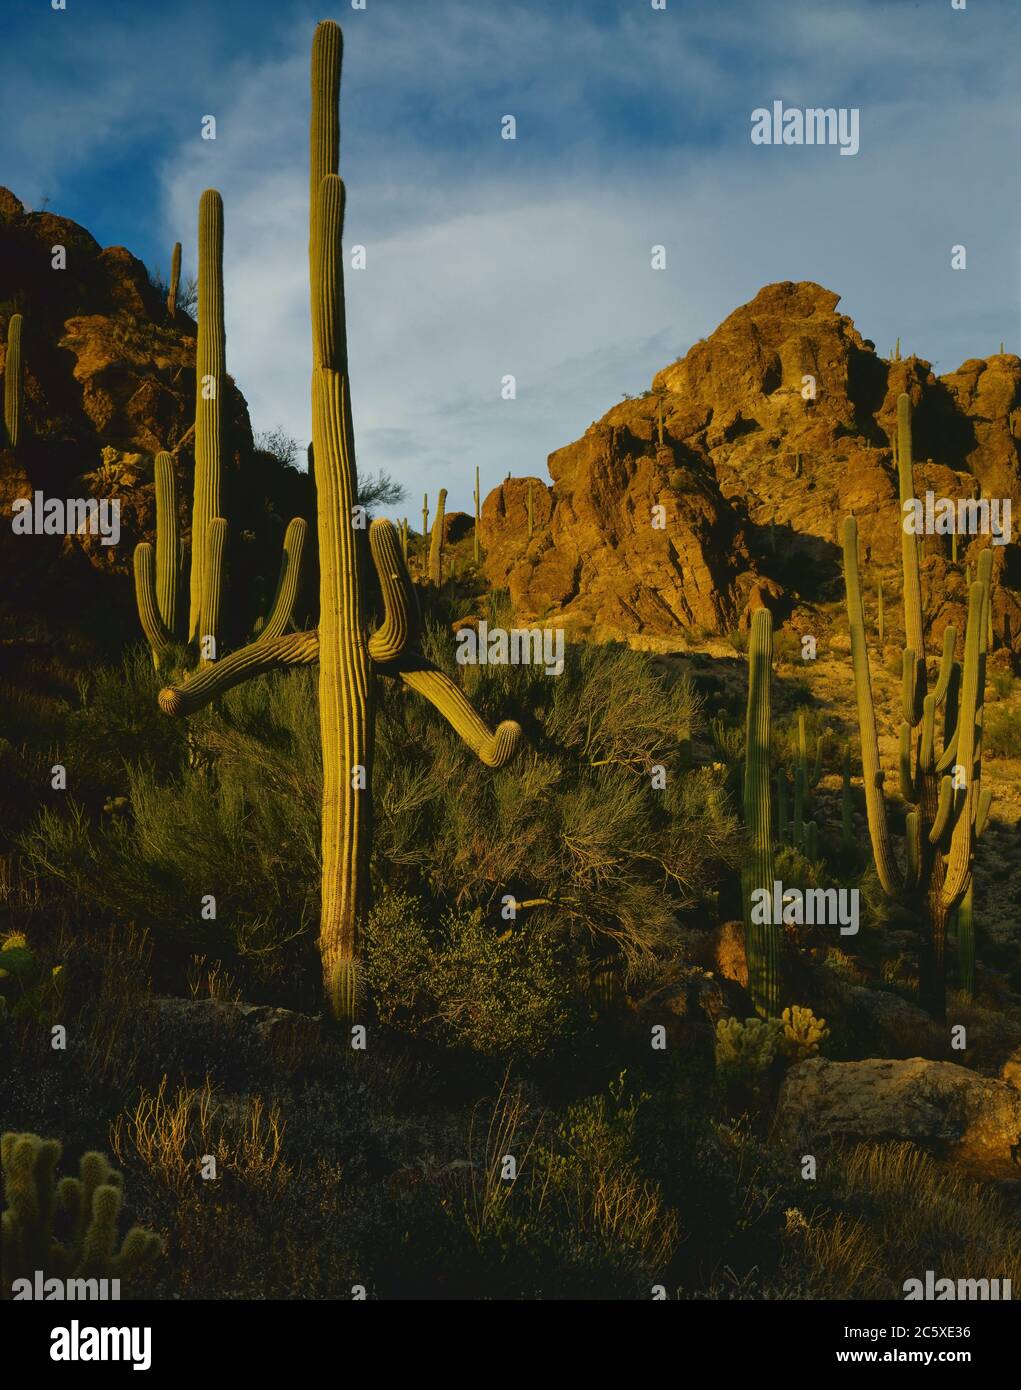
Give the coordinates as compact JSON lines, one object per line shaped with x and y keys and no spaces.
{"x":970,"y":1119}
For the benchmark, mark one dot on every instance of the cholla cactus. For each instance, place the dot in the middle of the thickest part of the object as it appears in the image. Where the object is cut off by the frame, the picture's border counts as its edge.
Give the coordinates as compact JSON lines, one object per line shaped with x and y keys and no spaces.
{"x":92,"y":1203}
{"x":746,"y":1049}
{"x":803,"y":1033}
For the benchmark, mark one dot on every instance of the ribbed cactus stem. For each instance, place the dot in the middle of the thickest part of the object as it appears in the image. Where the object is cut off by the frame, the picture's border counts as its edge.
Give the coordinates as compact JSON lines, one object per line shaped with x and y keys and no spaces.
{"x":152,"y":624}
{"x":210,"y":366}
{"x":175,"y":279}
{"x":880,"y":615}
{"x":762,"y":940}
{"x":436,"y":543}
{"x":212,"y":591}
{"x":168,"y":541}
{"x":872,"y":774}
{"x":477,"y":538}
{"x":13,"y":382}
{"x":345,"y":685}
{"x":425,"y":535}
{"x":913,"y":632}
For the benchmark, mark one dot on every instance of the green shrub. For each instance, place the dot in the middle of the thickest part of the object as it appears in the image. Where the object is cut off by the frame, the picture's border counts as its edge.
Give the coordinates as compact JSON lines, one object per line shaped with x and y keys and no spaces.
{"x":1002,"y":734}
{"x":465,"y":983}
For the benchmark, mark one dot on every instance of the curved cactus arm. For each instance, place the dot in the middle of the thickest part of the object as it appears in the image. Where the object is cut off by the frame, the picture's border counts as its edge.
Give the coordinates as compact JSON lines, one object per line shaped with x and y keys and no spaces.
{"x":946,"y":664}
{"x":153,"y":626}
{"x":401,"y":624}
{"x":494,"y":749}
{"x":927,"y":742}
{"x":212,"y":591}
{"x":941,"y":820}
{"x":985,"y":801}
{"x":949,"y":754}
{"x":912,"y":686}
{"x":281,"y":612}
{"x":959,"y":859}
{"x":872,"y":774}
{"x":294,"y":649}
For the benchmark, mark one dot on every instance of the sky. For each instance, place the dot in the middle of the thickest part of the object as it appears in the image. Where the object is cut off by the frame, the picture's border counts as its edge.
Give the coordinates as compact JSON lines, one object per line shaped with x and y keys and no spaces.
{"x":532,"y":257}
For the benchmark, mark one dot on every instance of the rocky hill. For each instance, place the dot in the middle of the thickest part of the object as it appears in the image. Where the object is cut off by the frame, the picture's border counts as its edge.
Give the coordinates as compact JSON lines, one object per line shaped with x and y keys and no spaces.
{"x":756,"y":478}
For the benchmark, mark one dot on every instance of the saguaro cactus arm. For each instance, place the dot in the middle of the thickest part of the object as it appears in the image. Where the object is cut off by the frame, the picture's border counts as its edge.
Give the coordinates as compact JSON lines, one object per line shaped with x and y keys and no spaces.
{"x":281,"y":613}
{"x":294,"y":649}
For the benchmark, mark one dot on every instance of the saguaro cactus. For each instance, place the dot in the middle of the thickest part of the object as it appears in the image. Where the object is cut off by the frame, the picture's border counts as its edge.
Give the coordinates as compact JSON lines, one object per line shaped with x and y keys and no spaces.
{"x":157,"y":589}
{"x":91,"y":1202}
{"x":13,"y":382}
{"x":210,"y":366}
{"x":436,"y":541}
{"x":348,"y":658}
{"x":477,"y":538}
{"x":175,"y":279}
{"x":425,"y":535}
{"x":945,"y":797}
{"x":762,"y":939}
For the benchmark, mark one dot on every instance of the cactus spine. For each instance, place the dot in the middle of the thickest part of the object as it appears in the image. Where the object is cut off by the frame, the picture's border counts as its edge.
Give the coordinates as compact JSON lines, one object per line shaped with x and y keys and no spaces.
{"x":762,"y":939}
{"x":944,"y":809}
{"x":13,"y":382}
{"x":175,"y":279}
{"x":348,"y":658}
{"x":91,"y":1204}
{"x":436,"y":542}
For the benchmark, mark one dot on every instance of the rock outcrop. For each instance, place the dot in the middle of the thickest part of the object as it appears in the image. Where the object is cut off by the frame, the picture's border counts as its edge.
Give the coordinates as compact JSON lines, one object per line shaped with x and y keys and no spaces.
{"x":774,"y":429}
{"x":970,"y":1119}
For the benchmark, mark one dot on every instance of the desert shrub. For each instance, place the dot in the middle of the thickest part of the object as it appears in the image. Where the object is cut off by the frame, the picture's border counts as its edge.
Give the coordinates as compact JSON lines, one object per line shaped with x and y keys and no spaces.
{"x":464,"y":982}
{"x":574,"y":824}
{"x":1001,"y":737}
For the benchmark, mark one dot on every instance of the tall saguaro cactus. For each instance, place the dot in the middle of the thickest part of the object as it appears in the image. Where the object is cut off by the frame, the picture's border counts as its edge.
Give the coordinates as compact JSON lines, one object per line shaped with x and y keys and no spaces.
{"x":946,"y":802}
{"x":175,"y":279}
{"x":348,"y":657}
{"x":210,"y":366}
{"x":436,"y":542}
{"x":157,"y":586}
{"x":762,"y":939}
{"x":13,"y":382}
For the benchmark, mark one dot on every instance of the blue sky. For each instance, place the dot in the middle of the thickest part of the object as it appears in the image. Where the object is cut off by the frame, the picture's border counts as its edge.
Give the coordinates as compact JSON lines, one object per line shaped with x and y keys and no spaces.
{"x":489,"y":257}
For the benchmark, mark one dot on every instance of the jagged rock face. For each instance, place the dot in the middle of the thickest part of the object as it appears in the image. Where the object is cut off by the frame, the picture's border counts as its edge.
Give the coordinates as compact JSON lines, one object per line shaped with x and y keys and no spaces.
{"x":756,"y":477}
{"x":109,"y":381}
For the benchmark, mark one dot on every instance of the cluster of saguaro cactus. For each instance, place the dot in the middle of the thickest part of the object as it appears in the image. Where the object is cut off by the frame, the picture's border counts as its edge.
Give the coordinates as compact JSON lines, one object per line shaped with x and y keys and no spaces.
{"x":158,"y":581}
{"x":349,"y":658}
{"x":762,"y":939}
{"x":436,"y":540}
{"x":91,"y":1202}
{"x":947,"y":804}
{"x":175,"y":279}
{"x":13,"y":382}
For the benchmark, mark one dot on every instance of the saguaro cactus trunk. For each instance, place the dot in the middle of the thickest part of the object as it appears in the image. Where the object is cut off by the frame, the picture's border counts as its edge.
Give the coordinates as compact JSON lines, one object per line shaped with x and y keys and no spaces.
{"x":762,"y":939}
{"x":210,"y":365}
{"x":175,"y":279}
{"x":13,"y":382}
{"x":436,"y":544}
